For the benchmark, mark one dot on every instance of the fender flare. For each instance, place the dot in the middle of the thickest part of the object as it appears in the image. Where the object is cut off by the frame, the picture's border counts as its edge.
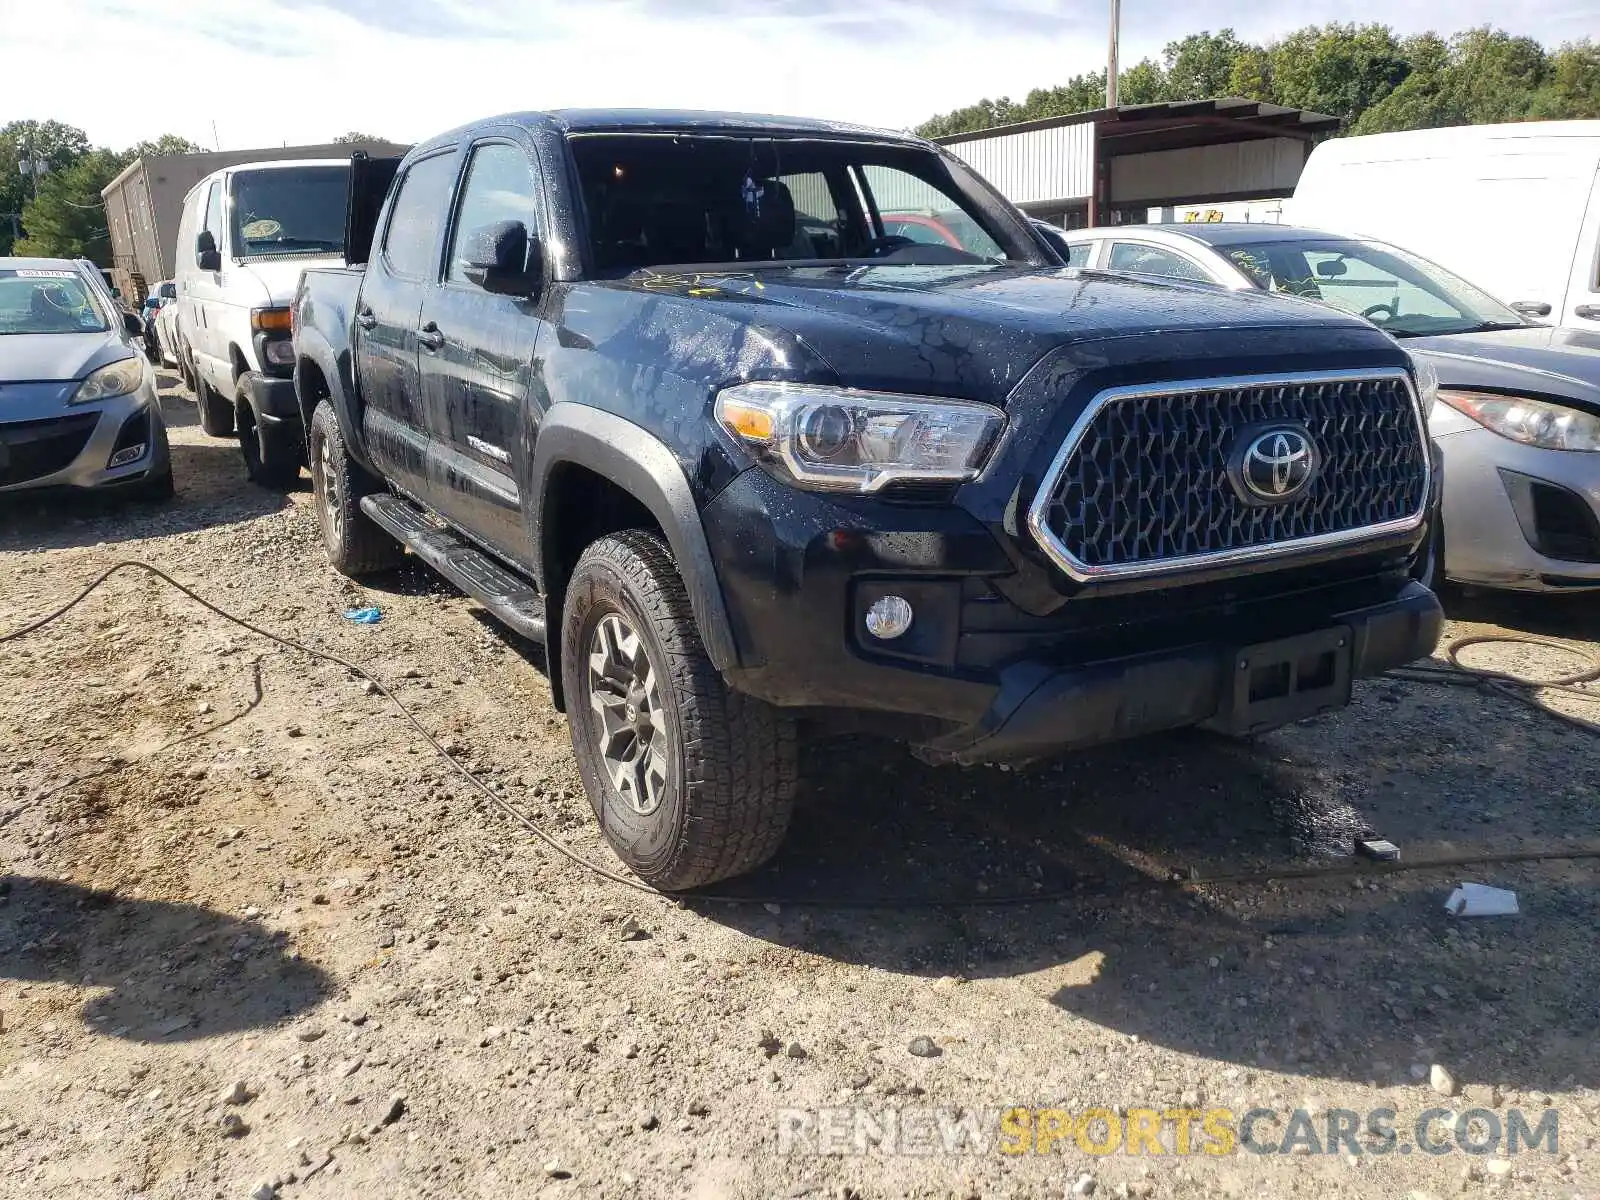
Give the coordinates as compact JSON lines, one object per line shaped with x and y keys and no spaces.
{"x":312,"y":347}
{"x":646,"y":469}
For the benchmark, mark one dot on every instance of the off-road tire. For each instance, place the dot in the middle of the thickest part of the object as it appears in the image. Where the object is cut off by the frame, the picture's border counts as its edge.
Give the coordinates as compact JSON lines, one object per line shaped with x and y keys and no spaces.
{"x":271,"y":457}
{"x":216,"y":414}
{"x":356,"y":546}
{"x":734,"y":769}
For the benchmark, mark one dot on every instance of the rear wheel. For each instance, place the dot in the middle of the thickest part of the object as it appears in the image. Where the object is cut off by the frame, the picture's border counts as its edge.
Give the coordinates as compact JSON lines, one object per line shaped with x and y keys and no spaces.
{"x":271,"y":453}
{"x":691,"y":782}
{"x":216,"y":414}
{"x":356,"y":546}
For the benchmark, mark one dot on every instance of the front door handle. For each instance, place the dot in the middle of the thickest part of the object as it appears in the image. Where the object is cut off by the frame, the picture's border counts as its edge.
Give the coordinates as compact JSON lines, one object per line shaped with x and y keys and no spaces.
{"x":367,"y":319}
{"x":1589,"y":312}
{"x":429,"y":337}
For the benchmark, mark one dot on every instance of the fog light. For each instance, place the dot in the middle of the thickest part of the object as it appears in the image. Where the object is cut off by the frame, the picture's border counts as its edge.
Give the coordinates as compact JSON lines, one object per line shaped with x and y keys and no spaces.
{"x":889,"y":618}
{"x":123,"y":457}
{"x":280,"y":353}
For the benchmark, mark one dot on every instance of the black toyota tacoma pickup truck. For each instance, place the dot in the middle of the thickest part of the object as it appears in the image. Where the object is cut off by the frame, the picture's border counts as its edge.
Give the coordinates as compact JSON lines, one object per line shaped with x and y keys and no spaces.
{"x":660,"y":392}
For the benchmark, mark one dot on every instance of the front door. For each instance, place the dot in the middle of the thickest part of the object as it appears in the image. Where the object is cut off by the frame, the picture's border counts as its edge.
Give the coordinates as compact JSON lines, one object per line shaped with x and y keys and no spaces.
{"x":403,"y":268}
{"x":477,"y":354}
{"x":1581,"y":305}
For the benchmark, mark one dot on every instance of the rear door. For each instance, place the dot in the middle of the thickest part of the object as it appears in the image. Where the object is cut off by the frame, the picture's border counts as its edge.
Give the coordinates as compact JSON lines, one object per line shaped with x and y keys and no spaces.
{"x":404,"y":266}
{"x":477,"y":351}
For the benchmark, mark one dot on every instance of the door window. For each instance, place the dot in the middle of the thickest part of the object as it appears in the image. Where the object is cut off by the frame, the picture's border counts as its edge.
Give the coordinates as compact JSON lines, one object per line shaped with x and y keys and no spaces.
{"x":500,"y":186}
{"x":915,"y":209}
{"x":411,"y":241}
{"x":213,"y":224}
{"x":1141,"y":259}
{"x":1078,"y":253}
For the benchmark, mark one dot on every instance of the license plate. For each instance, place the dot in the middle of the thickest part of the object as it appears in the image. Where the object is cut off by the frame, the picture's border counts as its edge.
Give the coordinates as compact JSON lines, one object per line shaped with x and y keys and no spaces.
{"x":1274,"y":683}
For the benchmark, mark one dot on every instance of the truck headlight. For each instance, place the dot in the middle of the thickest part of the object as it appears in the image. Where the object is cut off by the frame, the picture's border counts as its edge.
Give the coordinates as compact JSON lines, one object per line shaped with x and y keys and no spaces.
{"x":1531,"y":422}
{"x":114,"y":379}
{"x":839,"y":439}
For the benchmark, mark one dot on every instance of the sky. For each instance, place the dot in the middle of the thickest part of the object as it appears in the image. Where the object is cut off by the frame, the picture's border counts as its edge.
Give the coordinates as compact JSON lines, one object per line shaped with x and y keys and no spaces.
{"x":258,"y":73}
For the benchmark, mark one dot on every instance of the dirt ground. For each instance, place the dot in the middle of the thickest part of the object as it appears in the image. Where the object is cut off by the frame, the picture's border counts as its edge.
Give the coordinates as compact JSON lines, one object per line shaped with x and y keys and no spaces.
{"x":296,"y":955}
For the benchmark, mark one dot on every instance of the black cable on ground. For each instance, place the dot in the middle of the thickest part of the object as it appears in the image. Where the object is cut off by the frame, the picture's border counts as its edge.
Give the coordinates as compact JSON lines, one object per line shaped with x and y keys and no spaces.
{"x":1519,"y":689}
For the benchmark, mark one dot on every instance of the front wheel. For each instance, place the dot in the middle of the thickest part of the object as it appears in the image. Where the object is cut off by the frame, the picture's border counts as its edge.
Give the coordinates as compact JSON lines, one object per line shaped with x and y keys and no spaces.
{"x":216,"y":414}
{"x":691,"y":782}
{"x":271,"y":456}
{"x":356,"y":546}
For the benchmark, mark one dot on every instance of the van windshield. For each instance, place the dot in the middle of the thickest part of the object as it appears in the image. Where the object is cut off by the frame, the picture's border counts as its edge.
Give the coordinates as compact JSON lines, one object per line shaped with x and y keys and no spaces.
{"x":656,"y":200}
{"x":1402,"y":294}
{"x":289,"y":211}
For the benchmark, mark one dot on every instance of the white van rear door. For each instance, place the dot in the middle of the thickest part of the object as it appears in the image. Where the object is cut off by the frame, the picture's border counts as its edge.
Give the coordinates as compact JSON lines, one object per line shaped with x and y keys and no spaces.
{"x":1582,"y":307}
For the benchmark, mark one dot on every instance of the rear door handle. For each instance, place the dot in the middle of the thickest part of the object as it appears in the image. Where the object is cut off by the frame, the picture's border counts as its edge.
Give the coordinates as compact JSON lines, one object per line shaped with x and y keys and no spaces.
{"x":429,"y":337}
{"x":367,"y":319}
{"x":1589,"y":312}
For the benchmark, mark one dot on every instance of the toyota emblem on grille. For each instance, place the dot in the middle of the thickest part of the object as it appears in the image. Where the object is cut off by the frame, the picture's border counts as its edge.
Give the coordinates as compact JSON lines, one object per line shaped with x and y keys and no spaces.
{"x":1276,"y":465}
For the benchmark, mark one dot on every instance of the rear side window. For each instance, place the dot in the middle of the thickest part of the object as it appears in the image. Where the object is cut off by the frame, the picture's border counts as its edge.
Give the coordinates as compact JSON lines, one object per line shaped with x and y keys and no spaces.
{"x":1078,"y":254}
{"x":411,"y":241}
{"x":500,"y":186}
{"x":1153,"y":260}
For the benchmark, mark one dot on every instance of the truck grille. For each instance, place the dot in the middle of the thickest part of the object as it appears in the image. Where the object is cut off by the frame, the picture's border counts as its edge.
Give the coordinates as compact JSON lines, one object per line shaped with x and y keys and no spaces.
{"x":1143,"y":485}
{"x":33,"y":449}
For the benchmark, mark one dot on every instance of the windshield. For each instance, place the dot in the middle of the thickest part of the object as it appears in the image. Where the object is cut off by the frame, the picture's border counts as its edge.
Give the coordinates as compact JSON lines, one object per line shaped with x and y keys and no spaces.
{"x":690,"y":200}
{"x":48,"y":301}
{"x":1404,"y":295}
{"x":290,"y":210}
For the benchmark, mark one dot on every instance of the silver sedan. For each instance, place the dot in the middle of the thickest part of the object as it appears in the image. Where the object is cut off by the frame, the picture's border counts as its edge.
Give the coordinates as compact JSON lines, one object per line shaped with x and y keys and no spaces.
{"x":78,"y":404}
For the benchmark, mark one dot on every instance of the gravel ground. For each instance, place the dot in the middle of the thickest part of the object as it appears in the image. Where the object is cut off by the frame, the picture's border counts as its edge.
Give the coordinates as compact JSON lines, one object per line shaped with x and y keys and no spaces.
{"x":295,"y":955}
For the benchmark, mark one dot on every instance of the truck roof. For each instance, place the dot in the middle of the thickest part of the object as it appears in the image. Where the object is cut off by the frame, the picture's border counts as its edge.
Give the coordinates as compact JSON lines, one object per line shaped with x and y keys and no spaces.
{"x":654,"y":120}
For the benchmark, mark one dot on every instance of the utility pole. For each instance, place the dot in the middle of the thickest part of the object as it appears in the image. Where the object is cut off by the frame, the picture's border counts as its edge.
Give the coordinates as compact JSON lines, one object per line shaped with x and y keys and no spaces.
{"x":1111,"y":59}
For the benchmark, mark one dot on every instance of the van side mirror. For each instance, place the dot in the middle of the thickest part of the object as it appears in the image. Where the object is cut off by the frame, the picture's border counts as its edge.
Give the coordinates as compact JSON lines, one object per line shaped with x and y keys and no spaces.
{"x":206,"y":256}
{"x":1531,"y":308}
{"x":132,"y":325}
{"x":505,"y":259}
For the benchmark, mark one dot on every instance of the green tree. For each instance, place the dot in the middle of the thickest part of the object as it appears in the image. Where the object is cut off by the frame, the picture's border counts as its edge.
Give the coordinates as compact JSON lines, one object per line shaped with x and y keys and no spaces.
{"x":1425,"y":100}
{"x":345,"y":139}
{"x":1143,"y":83}
{"x":167,"y":143}
{"x":1251,"y":75}
{"x":67,"y":219}
{"x":1572,"y":86}
{"x":1201,"y":65}
{"x":1342,"y":70}
{"x":1494,"y":76}
{"x":49,"y":145}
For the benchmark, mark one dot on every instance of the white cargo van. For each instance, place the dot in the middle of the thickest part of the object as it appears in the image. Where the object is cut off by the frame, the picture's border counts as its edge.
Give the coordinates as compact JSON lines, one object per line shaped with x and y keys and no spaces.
{"x":245,"y":235}
{"x":1514,"y":208}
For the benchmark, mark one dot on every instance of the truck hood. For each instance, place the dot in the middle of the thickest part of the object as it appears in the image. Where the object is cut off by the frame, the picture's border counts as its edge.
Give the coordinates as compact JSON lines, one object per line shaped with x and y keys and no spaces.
{"x":975,"y":330}
{"x":54,"y":357}
{"x":1563,"y":363}
{"x":279,"y":278}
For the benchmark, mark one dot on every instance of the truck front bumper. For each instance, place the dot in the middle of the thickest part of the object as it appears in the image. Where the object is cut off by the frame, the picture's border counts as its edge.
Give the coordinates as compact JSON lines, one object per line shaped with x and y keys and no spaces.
{"x":996,"y":668}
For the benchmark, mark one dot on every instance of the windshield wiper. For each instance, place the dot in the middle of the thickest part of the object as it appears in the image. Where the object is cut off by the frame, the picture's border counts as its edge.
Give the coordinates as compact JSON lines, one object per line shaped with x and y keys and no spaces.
{"x":1496,"y":326}
{"x":266,"y":245}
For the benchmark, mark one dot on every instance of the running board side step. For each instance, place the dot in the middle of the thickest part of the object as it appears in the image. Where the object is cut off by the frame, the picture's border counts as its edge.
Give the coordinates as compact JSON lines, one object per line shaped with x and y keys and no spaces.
{"x":511,"y":599}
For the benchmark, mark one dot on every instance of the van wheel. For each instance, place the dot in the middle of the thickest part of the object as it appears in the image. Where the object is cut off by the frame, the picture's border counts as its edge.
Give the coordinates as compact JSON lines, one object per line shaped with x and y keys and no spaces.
{"x":356,"y":546}
{"x":691,"y":782}
{"x":271,"y":456}
{"x":216,"y":414}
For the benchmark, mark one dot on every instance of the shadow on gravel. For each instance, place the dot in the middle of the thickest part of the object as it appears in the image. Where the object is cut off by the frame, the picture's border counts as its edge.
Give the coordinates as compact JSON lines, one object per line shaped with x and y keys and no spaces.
{"x":1312,"y":977}
{"x":212,"y":490}
{"x":176,"y":971}
{"x":1575,"y":616}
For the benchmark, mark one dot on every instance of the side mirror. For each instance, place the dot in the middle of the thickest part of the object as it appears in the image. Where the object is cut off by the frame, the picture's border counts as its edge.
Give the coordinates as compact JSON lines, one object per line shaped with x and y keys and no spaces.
{"x":505,"y":259}
{"x":1531,"y":308}
{"x":132,"y":325}
{"x":206,"y":256}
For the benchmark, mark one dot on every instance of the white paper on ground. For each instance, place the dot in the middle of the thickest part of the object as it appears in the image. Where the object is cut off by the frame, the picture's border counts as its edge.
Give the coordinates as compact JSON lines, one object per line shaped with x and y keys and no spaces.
{"x":1480,"y":900}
